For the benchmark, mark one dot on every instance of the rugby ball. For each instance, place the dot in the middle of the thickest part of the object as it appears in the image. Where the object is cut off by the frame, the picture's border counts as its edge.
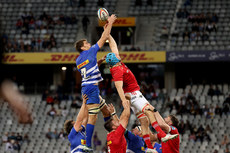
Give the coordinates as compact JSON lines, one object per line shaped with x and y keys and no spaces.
{"x":103,"y":14}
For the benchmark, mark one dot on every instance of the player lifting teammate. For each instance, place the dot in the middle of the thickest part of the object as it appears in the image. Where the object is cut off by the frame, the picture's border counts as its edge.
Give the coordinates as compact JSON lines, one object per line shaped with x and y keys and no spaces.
{"x":169,"y":125}
{"x":134,"y":139}
{"x":76,"y":129}
{"x":88,"y":67}
{"x":116,"y":127}
{"x":126,"y":85}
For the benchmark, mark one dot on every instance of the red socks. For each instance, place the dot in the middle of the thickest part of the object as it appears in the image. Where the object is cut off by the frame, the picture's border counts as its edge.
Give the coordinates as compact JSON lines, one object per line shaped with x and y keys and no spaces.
{"x":161,"y":133}
{"x":147,"y":141}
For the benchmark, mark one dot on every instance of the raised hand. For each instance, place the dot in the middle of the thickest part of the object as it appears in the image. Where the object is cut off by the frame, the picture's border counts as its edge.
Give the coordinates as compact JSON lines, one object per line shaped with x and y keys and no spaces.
{"x":111,"y":108}
{"x":84,"y":98}
{"x":112,"y":18}
{"x":126,"y":104}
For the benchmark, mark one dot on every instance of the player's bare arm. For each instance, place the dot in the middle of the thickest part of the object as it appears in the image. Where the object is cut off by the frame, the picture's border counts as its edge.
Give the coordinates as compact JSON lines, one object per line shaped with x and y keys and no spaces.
{"x":119,"y":86}
{"x":124,"y":118}
{"x":113,"y":46}
{"x":81,"y":117}
{"x":164,"y":126}
{"x":107,"y":30}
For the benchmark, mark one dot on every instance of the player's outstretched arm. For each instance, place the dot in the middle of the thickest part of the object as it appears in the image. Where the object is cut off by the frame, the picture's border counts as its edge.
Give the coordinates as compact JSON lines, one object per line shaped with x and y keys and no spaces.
{"x":119,"y":86}
{"x":113,"y":46}
{"x":107,"y":30}
{"x":124,"y":118}
{"x":81,"y":117}
{"x":164,"y":126}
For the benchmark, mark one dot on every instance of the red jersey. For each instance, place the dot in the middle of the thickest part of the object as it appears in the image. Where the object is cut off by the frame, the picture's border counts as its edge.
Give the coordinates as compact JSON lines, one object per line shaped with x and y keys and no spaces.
{"x":116,"y":140}
{"x":172,"y":146}
{"x":123,"y":73}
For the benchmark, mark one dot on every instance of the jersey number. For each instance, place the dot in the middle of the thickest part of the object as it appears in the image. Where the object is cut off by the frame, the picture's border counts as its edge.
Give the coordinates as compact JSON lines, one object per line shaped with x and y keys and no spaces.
{"x":83,"y":72}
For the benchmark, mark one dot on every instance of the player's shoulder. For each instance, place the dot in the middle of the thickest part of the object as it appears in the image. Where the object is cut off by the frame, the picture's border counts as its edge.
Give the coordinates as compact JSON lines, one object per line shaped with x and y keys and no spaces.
{"x":117,"y":68}
{"x":173,"y":129}
{"x":72,"y":133}
{"x":110,"y":135}
{"x":94,"y":46}
{"x":79,"y":58}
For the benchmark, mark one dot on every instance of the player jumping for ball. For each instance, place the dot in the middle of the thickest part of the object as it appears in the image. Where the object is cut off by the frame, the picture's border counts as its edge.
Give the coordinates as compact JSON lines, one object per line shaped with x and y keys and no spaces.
{"x":91,"y":76}
{"x":126,"y":85}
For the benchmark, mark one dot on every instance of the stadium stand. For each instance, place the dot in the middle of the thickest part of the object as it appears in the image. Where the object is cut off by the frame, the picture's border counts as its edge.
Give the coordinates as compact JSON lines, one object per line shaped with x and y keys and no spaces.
{"x":204,"y":110}
{"x":208,"y":141}
{"x":203,"y":39}
{"x":61,"y":22}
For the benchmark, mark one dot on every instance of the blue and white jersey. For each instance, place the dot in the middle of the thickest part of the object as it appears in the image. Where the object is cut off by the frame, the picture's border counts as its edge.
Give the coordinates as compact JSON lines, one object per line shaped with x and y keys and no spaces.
{"x":136,"y":144}
{"x":77,"y":140}
{"x":87,"y":66}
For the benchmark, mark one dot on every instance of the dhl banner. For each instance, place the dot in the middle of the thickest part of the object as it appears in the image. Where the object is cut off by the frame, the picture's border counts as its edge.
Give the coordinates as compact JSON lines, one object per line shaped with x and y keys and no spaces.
{"x":69,"y":58}
{"x":121,"y":22}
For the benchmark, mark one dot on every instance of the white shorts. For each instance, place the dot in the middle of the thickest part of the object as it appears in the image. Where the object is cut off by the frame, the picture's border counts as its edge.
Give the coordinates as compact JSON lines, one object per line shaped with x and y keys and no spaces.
{"x":138,"y":102}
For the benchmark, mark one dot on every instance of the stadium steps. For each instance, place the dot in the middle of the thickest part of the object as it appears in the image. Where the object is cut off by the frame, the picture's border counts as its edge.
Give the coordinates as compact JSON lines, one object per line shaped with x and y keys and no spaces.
{"x":122,"y":8}
{"x":144,"y":31}
{"x":173,"y":26}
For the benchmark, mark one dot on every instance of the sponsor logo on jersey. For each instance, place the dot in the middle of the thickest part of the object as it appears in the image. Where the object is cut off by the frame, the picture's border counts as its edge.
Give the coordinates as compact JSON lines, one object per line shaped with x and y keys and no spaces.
{"x":142,"y":148}
{"x":83,"y":142}
{"x":83,"y":64}
{"x":173,"y":128}
{"x":109,"y":142}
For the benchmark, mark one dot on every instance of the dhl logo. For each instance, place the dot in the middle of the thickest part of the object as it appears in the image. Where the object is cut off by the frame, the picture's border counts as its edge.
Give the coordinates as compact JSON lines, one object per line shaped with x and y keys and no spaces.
{"x":129,"y":21}
{"x":83,"y":64}
{"x":134,"y":57}
{"x":127,"y":57}
{"x":61,"y":57}
{"x":11,"y":58}
{"x":122,"y":21}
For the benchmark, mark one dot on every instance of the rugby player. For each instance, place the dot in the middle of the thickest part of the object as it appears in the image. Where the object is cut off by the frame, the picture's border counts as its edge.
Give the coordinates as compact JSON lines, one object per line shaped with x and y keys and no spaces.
{"x":126,"y":85}
{"x":76,"y":130}
{"x":88,"y":67}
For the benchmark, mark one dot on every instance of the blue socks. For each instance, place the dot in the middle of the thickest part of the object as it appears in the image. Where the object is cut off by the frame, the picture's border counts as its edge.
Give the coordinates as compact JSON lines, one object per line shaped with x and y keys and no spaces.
{"x":89,"y":134}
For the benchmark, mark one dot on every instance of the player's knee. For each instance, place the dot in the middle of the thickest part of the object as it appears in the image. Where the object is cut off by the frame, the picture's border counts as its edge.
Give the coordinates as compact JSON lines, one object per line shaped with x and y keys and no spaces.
{"x":147,"y":108}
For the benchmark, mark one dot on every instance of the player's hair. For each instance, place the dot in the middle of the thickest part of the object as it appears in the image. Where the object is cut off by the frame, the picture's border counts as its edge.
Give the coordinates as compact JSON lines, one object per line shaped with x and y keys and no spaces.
{"x":108,"y":125}
{"x":175,"y":121}
{"x":79,"y":44}
{"x":68,"y":125}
